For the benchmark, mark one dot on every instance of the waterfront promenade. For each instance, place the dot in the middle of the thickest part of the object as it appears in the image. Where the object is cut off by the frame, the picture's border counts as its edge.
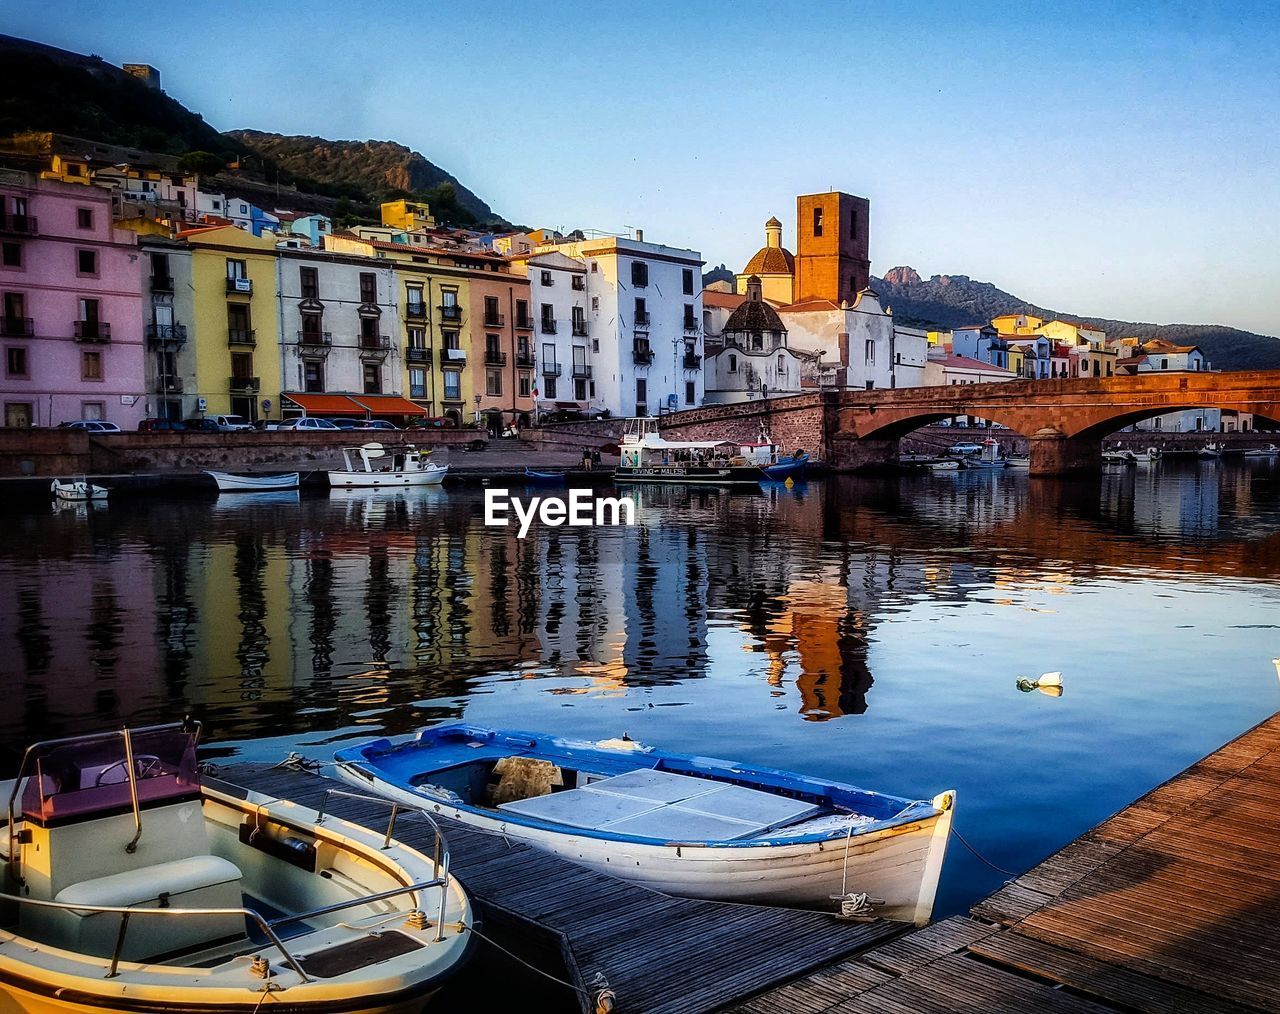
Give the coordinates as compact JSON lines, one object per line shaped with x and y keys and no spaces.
{"x":1173,"y":904}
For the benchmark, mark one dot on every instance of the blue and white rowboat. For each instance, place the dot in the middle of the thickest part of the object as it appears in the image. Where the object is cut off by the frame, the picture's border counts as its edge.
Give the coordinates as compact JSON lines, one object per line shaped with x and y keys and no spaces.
{"x":685,"y":825}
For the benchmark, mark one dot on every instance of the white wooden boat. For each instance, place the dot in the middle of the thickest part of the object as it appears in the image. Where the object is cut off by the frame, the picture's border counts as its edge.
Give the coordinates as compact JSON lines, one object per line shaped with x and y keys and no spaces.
{"x":405,"y":466}
{"x":1270,"y":451}
{"x":944,"y":466}
{"x":1146,"y":456}
{"x":990,"y":456}
{"x":693,"y":826}
{"x":1018,"y":461}
{"x":130,"y":885}
{"x":1209,"y":452}
{"x":78,"y":491}
{"x":1119,"y":456}
{"x":229,"y":482}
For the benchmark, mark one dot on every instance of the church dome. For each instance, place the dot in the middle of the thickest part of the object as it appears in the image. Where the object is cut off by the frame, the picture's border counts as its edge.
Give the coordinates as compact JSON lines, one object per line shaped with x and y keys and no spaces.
{"x":753,"y":313}
{"x":772,"y":258}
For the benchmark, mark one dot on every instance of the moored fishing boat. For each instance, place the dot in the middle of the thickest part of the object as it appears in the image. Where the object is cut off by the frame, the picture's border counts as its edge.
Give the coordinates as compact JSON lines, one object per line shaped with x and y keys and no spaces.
{"x":229,"y":482}
{"x":787,"y":466}
{"x":407,"y":466}
{"x":1209,"y":452}
{"x":944,"y":465}
{"x":693,"y":826}
{"x":1270,"y":451}
{"x":78,"y":491}
{"x":1018,"y":461}
{"x":543,"y":478}
{"x":646,"y":456}
{"x":131,"y":884}
{"x":990,"y":456}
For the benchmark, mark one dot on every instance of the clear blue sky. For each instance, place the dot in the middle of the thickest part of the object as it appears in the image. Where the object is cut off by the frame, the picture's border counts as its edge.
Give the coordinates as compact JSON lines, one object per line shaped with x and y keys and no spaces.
{"x":1115,"y":159}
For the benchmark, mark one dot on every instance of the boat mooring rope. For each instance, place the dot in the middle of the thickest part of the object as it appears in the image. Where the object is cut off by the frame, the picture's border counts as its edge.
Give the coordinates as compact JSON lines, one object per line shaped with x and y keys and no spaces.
{"x":533,"y":968}
{"x":981,"y":857}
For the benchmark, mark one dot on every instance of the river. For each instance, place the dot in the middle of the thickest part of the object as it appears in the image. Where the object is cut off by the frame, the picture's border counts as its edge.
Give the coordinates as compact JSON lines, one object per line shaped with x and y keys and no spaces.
{"x":866,"y":629}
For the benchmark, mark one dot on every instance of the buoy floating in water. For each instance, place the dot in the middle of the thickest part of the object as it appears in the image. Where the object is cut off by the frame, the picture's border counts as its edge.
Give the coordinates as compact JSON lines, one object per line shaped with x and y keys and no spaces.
{"x":1050,"y":684}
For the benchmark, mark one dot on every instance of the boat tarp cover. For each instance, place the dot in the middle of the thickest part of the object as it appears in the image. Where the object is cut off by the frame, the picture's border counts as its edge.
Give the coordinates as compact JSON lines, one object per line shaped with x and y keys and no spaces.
{"x":661,"y":804}
{"x":658,"y":443}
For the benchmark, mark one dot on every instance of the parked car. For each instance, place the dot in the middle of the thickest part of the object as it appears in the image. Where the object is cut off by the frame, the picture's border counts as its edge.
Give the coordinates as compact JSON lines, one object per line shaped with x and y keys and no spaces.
{"x":375,"y":424}
{"x":201,"y":426}
{"x":92,"y":425}
{"x":230,"y":423}
{"x":432,"y":422}
{"x":347,"y":424}
{"x":307,"y":422}
{"x":161,"y":426}
{"x":965,"y":449}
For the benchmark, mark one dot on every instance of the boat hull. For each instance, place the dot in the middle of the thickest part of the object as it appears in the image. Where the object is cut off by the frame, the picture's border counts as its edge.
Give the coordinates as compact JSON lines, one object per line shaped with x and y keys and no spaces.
{"x":78,"y":492}
{"x":229,"y":483}
{"x":432,"y":476}
{"x":728,"y":476}
{"x":788,"y":468}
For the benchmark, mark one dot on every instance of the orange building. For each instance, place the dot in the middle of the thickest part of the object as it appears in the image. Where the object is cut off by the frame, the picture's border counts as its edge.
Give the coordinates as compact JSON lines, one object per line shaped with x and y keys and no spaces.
{"x":833,"y":247}
{"x":502,"y":384}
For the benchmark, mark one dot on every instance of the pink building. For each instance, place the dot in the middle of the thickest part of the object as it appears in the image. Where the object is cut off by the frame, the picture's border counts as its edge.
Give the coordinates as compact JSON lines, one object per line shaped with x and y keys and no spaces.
{"x":71,"y":320}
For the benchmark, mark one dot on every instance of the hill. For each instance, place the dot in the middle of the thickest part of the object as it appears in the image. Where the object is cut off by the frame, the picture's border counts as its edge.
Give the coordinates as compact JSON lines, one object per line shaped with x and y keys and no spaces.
{"x":376,"y":169}
{"x":956,"y":300}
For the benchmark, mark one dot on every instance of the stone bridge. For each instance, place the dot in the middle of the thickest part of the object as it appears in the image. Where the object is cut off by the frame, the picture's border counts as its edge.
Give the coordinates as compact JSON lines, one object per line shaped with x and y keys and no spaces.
{"x":1065,"y":420}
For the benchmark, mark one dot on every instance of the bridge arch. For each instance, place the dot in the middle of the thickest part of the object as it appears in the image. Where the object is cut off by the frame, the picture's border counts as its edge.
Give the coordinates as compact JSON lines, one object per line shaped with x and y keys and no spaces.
{"x":1113,"y":424}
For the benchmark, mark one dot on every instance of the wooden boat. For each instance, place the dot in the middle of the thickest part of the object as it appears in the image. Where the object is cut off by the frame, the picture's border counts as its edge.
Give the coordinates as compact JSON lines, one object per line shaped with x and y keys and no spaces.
{"x":131,"y":884}
{"x":787,"y":466}
{"x":1017,"y":461}
{"x":1119,"y":456}
{"x":945,"y":465}
{"x":693,"y":826}
{"x":989,"y":458}
{"x":1270,"y":451}
{"x":547,"y":478}
{"x":1209,"y":452}
{"x":1146,"y":456}
{"x":78,"y":491}
{"x":407,"y":466}
{"x":229,"y":482}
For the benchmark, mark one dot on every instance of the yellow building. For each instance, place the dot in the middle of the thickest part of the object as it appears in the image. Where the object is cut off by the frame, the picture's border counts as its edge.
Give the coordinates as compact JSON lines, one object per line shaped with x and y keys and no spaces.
{"x":1016,"y":323}
{"x":407,"y":215}
{"x":938,"y":338}
{"x":775,"y":266}
{"x":1069,"y":332}
{"x":236,"y":322}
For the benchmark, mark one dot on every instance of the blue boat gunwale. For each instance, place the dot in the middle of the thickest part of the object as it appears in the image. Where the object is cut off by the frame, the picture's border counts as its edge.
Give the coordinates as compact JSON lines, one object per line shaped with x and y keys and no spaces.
{"x":372,"y":760}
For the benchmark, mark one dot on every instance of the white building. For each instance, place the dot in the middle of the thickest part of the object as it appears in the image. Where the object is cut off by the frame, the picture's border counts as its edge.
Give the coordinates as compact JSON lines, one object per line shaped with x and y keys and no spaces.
{"x":563,"y":345}
{"x":339,"y":324}
{"x":1158,"y":356}
{"x":752,"y":358}
{"x":859,"y":345}
{"x":644,"y":316}
{"x":942,"y":369}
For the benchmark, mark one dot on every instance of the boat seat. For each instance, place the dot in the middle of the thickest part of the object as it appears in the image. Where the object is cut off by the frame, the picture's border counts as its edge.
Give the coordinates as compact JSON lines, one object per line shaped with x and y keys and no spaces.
{"x":194,"y":882}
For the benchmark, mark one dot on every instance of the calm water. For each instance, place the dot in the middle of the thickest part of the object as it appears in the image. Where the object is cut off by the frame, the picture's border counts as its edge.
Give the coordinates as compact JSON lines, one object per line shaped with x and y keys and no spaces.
{"x":867,"y":630}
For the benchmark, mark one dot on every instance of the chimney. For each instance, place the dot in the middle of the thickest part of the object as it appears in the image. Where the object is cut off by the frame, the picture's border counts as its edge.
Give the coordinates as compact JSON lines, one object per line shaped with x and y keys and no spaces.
{"x":639,"y":235}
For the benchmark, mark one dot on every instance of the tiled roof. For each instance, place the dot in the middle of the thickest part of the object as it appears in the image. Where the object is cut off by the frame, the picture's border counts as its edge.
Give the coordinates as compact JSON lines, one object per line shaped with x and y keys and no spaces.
{"x":753,"y":315}
{"x":722,"y":300}
{"x":771,"y":260}
{"x":810,"y":304}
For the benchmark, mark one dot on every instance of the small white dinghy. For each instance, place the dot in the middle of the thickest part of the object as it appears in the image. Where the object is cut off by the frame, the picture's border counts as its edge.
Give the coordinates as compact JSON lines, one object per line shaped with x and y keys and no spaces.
{"x":1270,"y":451}
{"x":128,"y":885}
{"x":229,"y":482}
{"x":78,"y":491}
{"x":699,"y":827}
{"x":406,"y":466}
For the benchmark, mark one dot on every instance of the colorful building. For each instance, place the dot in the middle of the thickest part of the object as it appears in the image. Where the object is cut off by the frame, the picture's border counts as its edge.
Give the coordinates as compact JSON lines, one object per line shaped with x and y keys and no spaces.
{"x":71,"y":325}
{"x":555,"y":335}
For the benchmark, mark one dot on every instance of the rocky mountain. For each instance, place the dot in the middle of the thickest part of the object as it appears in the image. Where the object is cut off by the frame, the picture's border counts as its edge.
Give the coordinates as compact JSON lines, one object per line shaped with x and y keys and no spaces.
{"x":955,"y":300}
{"x":373,"y":168}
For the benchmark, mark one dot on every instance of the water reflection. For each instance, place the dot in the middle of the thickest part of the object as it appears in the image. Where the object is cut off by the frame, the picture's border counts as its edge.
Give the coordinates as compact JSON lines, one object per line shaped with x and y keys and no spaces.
{"x":271,"y":613}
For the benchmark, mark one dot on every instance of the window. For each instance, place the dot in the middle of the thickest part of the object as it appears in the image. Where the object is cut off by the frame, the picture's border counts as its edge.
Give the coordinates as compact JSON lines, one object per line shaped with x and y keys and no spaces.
{"x":548,"y":354}
{"x":546,"y":278}
{"x":236,"y":269}
{"x":870,"y":352}
{"x":594,"y":267}
{"x":1164,"y":364}
{"x":89,"y":312}
{"x":15,"y":362}
{"x":414,"y":300}
{"x":757,"y":341}
{"x":11,"y":255}
{"x":524,"y":385}
{"x":86,"y":262}
{"x":452,"y":385}
{"x":417,"y":338}
{"x":639,"y":274}
{"x":17,"y":414}
{"x":450,"y":339}
{"x":372,"y":378}
{"x":642,"y":396}
{"x":93,"y":411}
{"x":91,"y":365}
{"x":549,"y":387}
{"x":690,"y":392}
{"x":548,"y":319}
{"x":817,"y":221}
{"x":311,"y":327}
{"x":595,"y":302}
{"x":369,"y":336}
{"x":159,"y":267}
{"x":690,"y":321}
{"x":313,"y":376}
{"x":687,"y":277}
{"x":241,"y":367}
{"x":642,"y":313}
{"x":578,"y":283}
{"x":368,"y":291}
{"x":417,"y":382}
{"x":782,"y":364}
{"x":733,"y":363}
{"x":493,"y":383}
{"x":84,"y":218}
{"x":579,"y":389}
{"x":492,"y":317}
{"x":309,"y":282}
{"x":853,"y":223}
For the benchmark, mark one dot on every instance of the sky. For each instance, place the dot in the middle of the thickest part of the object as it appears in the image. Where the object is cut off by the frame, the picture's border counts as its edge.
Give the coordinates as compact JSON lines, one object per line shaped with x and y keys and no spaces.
{"x":1109,"y":159}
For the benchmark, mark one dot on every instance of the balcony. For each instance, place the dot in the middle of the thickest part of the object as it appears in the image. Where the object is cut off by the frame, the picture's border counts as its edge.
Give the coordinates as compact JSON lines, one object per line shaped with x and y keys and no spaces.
{"x":162,"y":283}
{"x":167,"y":332}
{"x":315,"y":339}
{"x":454,"y":357}
{"x":450,"y":312}
{"x":494,"y":319}
{"x":248,"y":385}
{"x":524,"y":322}
{"x":17,"y":327}
{"x":551,"y":369}
{"x":691,"y":325}
{"x":168,"y":385}
{"x":374,"y":346}
{"x":641,"y":354}
{"x":525,"y":359}
{"x":495,"y":357}
{"x":642,"y":320}
{"x":581,"y":371}
{"x":580,"y":329}
{"x":21,"y":225}
{"x":92,"y":331}
{"x":240,"y":286}
{"x":415,"y":356}
{"x":415,"y":311}
{"x":242,"y":336}
{"x":548,"y":325}
{"x":691,"y":361}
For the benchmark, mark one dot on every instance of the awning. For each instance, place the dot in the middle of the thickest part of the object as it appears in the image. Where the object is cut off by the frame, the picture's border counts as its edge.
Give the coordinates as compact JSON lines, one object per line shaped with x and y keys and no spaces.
{"x":355,"y":404}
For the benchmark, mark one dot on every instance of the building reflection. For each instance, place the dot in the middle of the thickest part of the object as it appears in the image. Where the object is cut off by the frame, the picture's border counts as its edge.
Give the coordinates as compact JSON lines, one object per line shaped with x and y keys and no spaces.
{"x":359,"y":610}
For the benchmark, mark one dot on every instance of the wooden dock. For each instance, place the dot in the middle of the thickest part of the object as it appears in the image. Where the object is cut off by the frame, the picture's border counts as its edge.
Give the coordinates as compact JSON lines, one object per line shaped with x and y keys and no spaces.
{"x":1171,"y":905}
{"x":657,"y":954}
